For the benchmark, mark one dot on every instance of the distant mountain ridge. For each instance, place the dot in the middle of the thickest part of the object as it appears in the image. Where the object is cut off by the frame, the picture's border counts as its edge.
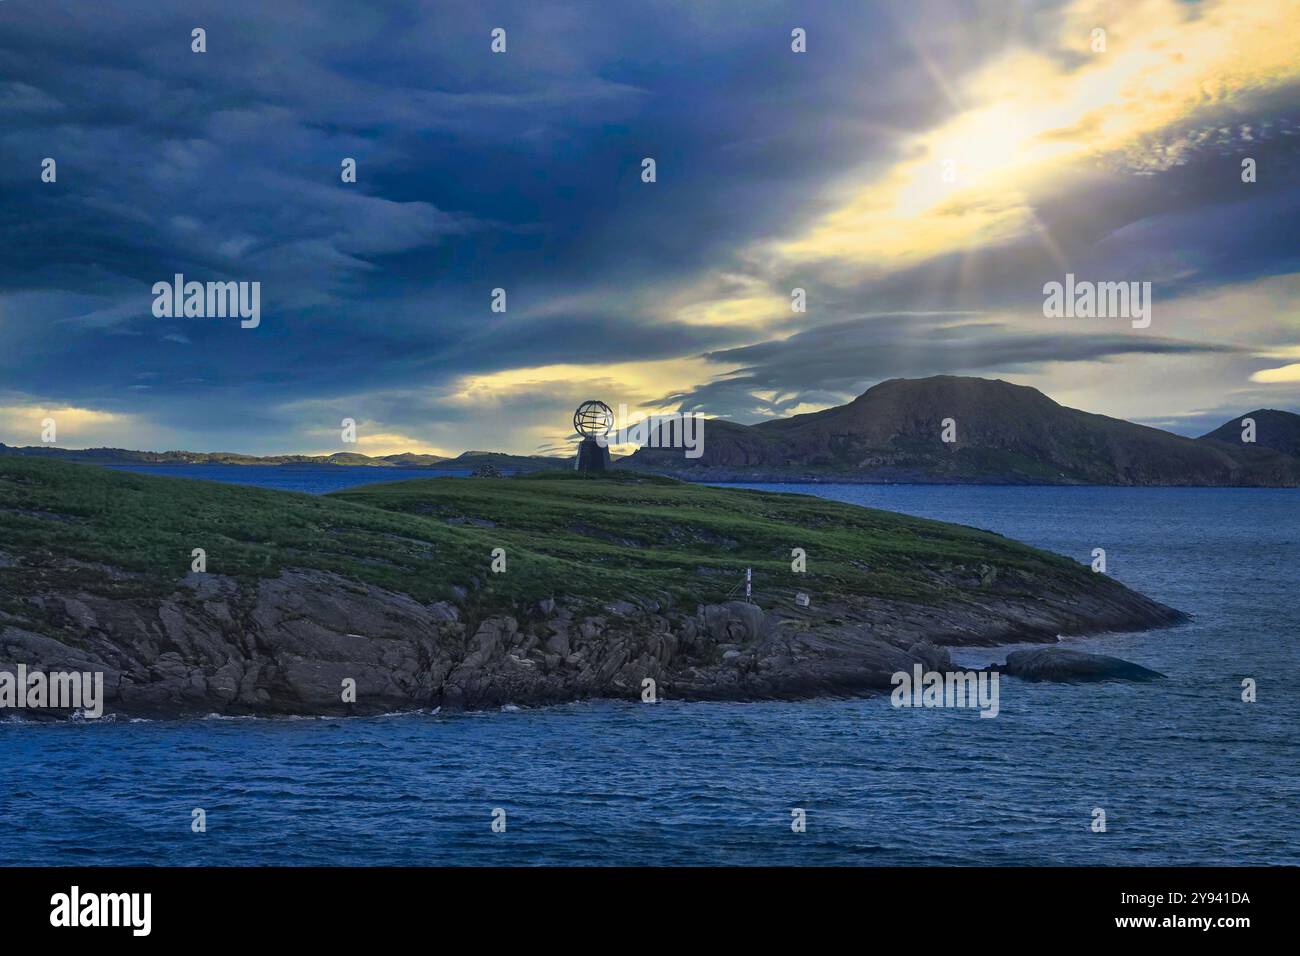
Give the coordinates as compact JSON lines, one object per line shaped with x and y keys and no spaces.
{"x":122,"y":456}
{"x":1274,"y":429}
{"x":128,"y":456}
{"x":1005,"y":434}
{"x":891,"y":433}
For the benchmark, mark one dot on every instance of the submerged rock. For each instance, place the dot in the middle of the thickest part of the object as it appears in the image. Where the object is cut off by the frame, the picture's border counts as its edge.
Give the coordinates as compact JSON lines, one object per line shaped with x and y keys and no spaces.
{"x":1061,"y":664}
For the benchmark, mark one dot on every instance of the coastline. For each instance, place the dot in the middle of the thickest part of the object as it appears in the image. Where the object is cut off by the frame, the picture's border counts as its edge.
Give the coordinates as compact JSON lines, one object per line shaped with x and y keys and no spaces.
{"x":289,"y":653}
{"x":613,"y":583}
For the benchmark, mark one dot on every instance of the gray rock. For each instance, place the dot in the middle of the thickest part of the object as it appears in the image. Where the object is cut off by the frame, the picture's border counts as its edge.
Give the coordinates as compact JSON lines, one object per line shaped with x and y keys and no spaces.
{"x":286,"y":644}
{"x":1062,"y":664}
{"x":735,"y":621}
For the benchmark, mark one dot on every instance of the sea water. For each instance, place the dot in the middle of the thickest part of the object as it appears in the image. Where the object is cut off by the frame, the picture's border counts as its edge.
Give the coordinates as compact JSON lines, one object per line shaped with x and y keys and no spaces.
{"x":1185,"y":771}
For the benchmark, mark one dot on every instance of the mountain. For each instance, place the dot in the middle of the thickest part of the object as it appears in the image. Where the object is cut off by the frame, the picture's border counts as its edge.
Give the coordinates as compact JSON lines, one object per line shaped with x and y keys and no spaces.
{"x":1274,"y":429}
{"x":1005,"y":434}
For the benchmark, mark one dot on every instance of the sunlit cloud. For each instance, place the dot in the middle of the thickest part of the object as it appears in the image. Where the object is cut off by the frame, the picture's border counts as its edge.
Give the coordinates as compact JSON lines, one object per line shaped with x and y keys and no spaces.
{"x":729,"y":299}
{"x":377,"y":444}
{"x":23,"y":424}
{"x":641,"y":386}
{"x":1033,"y":120}
{"x":1287,"y":373}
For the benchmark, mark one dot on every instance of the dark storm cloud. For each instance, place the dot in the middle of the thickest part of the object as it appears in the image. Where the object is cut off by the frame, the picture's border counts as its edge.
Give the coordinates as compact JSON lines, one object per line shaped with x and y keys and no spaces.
{"x":475,"y":172}
{"x":518,"y":171}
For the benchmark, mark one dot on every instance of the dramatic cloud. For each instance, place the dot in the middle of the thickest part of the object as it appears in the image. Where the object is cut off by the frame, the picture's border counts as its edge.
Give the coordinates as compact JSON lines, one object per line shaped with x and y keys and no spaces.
{"x":826,"y":171}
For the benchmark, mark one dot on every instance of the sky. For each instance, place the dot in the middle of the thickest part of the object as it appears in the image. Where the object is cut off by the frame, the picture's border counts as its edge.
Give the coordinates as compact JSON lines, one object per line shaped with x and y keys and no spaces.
{"x":921,"y":170}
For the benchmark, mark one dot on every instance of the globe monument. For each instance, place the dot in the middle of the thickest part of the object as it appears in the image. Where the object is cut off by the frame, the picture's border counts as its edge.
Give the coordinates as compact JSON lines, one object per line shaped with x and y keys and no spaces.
{"x":592,"y":420}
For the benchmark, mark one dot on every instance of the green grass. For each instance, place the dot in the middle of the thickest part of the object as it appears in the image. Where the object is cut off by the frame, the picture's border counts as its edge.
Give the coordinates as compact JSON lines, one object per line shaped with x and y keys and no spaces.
{"x":598,"y":539}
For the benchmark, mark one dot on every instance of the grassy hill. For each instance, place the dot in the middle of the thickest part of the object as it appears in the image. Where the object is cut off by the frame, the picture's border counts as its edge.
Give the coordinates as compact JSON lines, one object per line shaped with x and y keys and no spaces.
{"x":593,"y":538}
{"x":608,"y":581}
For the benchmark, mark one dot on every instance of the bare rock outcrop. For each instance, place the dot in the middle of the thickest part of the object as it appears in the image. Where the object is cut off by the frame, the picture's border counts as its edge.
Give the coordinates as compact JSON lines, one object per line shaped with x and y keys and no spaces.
{"x":290,"y":644}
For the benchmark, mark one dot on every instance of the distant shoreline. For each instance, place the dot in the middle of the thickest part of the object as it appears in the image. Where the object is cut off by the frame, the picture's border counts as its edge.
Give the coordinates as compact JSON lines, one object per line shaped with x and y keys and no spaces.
{"x":123,"y":456}
{"x":458,"y":467}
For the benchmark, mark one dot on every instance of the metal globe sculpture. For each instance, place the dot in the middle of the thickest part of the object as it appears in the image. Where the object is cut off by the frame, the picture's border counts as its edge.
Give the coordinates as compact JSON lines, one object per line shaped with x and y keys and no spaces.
{"x":593,"y":419}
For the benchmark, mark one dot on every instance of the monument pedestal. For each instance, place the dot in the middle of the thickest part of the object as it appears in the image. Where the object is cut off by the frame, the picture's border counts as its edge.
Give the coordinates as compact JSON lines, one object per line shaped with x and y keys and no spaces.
{"x":592,"y":456}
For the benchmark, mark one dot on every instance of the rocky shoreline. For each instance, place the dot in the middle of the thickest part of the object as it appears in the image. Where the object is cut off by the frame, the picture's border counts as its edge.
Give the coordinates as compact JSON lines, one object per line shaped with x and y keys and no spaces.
{"x":193,"y":598}
{"x":286,"y":645}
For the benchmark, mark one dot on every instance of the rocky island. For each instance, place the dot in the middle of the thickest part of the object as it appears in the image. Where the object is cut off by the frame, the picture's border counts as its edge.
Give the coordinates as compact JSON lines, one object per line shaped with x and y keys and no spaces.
{"x":194,"y":597}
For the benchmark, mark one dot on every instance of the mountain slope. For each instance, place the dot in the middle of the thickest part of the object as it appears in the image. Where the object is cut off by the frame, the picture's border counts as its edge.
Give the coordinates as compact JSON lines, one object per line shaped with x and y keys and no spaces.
{"x":1274,"y":429}
{"x":1005,"y":433}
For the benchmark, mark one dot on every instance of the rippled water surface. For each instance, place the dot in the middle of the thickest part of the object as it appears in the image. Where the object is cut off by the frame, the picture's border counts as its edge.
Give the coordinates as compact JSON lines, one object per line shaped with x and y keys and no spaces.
{"x":1185,"y":771}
